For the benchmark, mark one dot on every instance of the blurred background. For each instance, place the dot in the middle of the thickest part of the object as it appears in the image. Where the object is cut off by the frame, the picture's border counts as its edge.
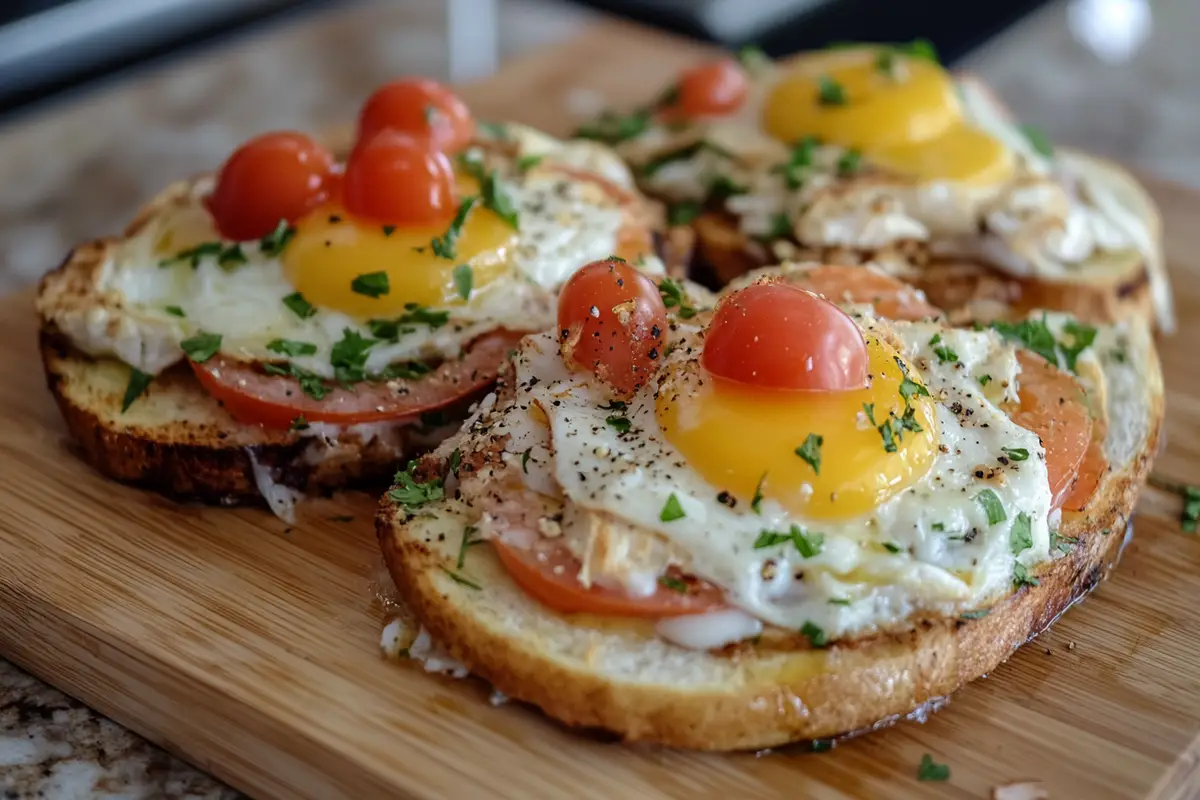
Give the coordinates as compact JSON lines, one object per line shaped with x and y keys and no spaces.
{"x":104,"y":101}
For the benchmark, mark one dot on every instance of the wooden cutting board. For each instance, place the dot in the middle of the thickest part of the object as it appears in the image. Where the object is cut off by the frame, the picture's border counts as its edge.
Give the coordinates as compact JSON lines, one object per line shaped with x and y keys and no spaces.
{"x":250,"y":648}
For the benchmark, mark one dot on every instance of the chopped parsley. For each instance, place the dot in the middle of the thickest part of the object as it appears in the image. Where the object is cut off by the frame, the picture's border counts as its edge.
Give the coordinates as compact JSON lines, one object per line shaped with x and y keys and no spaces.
{"x":1021,"y":576}
{"x":310,"y":382}
{"x":806,"y":544}
{"x":753,"y":59}
{"x":1190,"y":515}
{"x":612,"y":127}
{"x":930,"y":770}
{"x":349,"y":356}
{"x":444,"y":246}
{"x":371,"y":284}
{"x":464,"y":280}
{"x":849,"y":163}
{"x":1082,"y":337}
{"x":919,"y":48}
{"x":1020,"y":536}
{"x":299,"y":306}
{"x":175,"y":311}
{"x":810,"y":451}
{"x":454,"y":461}
{"x":910,"y":389}
{"x":497,"y":199}
{"x":618,"y":423}
{"x":299,"y":424}
{"x":494,"y":130}
{"x":722,"y":187}
{"x":1063,"y":544}
{"x":830,"y":92}
{"x":614,"y":405}
{"x":674,"y":296}
{"x":1036,"y":335}
{"x":1038,"y":140}
{"x":405,"y":371}
{"x":390,"y":330}
{"x":1015,"y":453}
{"x":672,"y":510}
{"x":892,"y":547}
{"x":201,"y":347}
{"x":781,"y":226}
{"x":944,"y":353}
{"x":525,"y":460}
{"x":290,"y":347}
{"x":683,"y":212}
{"x":227,"y":255}
{"x":756,"y":501}
{"x":839,"y":601}
{"x":139,"y":382}
{"x":273,"y":243}
{"x":670,"y":156}
{"x":411,"y":494}
{"x":991,"y":506}
{"x":885,"y":61}
{"x":978,"y":613}
{"x":814,"y":633}
{"x":468,"y":533}
{"x":674,"y":584}
{"x":462,"y":580}
{"x":938,"y":526}
{"x":388,"y":230}
{"x":800,"y":160}
{"x":526,"y":163}
{"x":984,"y":380}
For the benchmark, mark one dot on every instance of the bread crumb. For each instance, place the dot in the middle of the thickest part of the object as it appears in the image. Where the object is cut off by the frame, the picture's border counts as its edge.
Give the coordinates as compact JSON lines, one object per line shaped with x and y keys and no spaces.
{"x":1070,"y":645}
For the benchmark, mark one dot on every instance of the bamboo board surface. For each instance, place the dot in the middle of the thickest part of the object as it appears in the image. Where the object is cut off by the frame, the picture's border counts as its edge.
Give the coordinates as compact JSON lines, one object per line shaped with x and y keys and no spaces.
{"x":251,"y":649}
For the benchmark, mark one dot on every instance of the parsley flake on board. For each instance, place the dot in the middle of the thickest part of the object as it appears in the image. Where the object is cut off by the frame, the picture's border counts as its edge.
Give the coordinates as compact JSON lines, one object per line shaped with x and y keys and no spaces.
{"x":273,"y":243}
{"x":756,"y":501}
{"x":444,"y":246}
{"x":930,"y":770}
{"x":411,"y":494}
{"x":674,"y":296}
{"x":672,"y":510}
{"x":139,"y":382}
{"x":1015,"y":453}
{"x":1020,"y":535}
{"x":1190,"y":514}
{"x":806,"y":544}
{"x":371,"y":284}
{"x":674,"y":584}
{"x":810,"y":451}
{"x":290,"y":347}
{"x":991,"y":506}
{"x":201,"y":347}
{"x":830,"y":92}
{"x":299,"y":306}
{"x":310,"y":382}
{"x":618,"y":423}
{"x":814,"y":633}
{"x":464,"y":280}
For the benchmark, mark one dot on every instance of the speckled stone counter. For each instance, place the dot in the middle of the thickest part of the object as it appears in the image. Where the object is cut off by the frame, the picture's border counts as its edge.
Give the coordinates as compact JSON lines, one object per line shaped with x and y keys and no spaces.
{"x":80,"y":168}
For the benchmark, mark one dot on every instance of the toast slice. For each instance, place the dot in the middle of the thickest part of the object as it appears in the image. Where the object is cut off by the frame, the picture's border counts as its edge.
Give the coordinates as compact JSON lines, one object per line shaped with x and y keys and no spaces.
{"x":620,"y":677}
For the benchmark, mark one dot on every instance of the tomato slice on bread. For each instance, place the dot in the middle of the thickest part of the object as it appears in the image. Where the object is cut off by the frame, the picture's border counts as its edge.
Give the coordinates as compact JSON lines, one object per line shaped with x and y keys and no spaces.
{"x":255,"y":397}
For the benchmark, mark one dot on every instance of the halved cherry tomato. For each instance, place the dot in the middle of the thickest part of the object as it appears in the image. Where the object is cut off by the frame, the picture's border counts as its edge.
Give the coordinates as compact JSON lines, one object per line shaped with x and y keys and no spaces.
{"x":612,"y":322}
{"x":1091,"y":470}
{"x":841,"y":284}
{"x":774,"y":335}
{"x":274,"y":401}
{"x":716,"y":88}
{"x":401,"y":180}
{"x":550,"y":575}
{"x":1052,"y":406}
{"x":273,"y":177}
{"x":418,"y":107}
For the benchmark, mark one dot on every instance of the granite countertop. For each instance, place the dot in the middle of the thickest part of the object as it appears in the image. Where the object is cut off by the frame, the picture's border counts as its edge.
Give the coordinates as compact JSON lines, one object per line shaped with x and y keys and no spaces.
{"x":116,"y":146}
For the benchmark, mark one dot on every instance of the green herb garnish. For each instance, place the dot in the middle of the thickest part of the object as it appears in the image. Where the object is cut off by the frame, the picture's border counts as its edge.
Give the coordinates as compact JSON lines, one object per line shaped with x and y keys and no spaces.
{"x":991,"y":506}
{"x":1020,"y":535}
{"x":671,"y":510}
{"x":497,"y":199}
{"x":830,"y":92}
{"x":756,"y":501}
{"x":468,"y":532}
{"x":289,"y":347}
{"x":444,"y":246}
{"x":806,"y":544}
{"x":683,"y":212}
{"x":411,"y":494}
{"x":349,"y":356}
{"x":273,"y":243}
{"x":462,"y":580}
{"x":310,"y":382}
{"x":1021,"y":576}
{"x":464,"y":280}
{"x":201,"y":347}
{"x":674,"y":584}
{"x":930,"y":770}
{"x":619,"y":424}
{"x":1038,"y":140}
{"x":526,"y":163}
{"x":815,"y":635}
{"x":674,"y":296}
{"x":175,"y":311}
{"x":1015,"y":453}
{"x":299,"y":306}
{"x":810,"y":451}
{"x":139,"y":382}
{"x":371,"y":284}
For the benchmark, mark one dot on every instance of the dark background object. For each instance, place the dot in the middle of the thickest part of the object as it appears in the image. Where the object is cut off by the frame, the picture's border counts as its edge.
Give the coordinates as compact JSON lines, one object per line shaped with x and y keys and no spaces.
{"x":48,"y":47}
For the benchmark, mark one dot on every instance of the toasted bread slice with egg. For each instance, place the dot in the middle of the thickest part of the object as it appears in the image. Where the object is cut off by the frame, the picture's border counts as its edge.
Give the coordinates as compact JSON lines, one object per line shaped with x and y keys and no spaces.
{"x":620,"y":676}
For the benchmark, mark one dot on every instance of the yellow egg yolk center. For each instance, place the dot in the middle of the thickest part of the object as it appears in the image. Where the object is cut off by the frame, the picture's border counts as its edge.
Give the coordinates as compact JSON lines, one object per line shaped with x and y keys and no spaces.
{"x":902,"y":112}
{"x":818,"y":454}
{"x":331,"y":249}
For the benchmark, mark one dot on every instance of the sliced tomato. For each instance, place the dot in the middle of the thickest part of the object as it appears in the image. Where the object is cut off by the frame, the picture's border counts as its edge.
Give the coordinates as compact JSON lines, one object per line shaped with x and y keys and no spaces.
{"x":1052,"y":406}
{"x":549,"y":574}
{"x":274,"y":401}
{"x":1091,"y":470}
{"x":842,"y":284}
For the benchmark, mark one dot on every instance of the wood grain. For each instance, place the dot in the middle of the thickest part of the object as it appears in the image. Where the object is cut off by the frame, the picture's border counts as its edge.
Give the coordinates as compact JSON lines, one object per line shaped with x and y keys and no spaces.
{"x":251,"y":649}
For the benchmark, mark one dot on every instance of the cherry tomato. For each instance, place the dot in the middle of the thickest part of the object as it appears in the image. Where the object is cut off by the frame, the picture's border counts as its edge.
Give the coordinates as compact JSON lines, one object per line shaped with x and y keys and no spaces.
{"x":550,"y":575}
{"x":713,"y":89}
{"x":421,"y":108}
{"x":774,"y":335}
{"x":273,"y":401}
{"x":612,"y":322}
{"x":1052,"y":406}
{"x":841,"y":284}
{"x":396,"y":179}
{"x":271,"y":177}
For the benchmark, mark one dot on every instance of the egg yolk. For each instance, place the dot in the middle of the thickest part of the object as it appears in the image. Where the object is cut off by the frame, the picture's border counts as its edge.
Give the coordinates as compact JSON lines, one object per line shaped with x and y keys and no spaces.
{"x":331,"y":248}
{"x":744,"y":440}
{"x":900,"y":111}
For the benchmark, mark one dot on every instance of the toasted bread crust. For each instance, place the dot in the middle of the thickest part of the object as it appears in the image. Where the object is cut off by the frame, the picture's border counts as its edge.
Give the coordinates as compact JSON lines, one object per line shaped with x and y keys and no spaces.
{"x":747,"y":696}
